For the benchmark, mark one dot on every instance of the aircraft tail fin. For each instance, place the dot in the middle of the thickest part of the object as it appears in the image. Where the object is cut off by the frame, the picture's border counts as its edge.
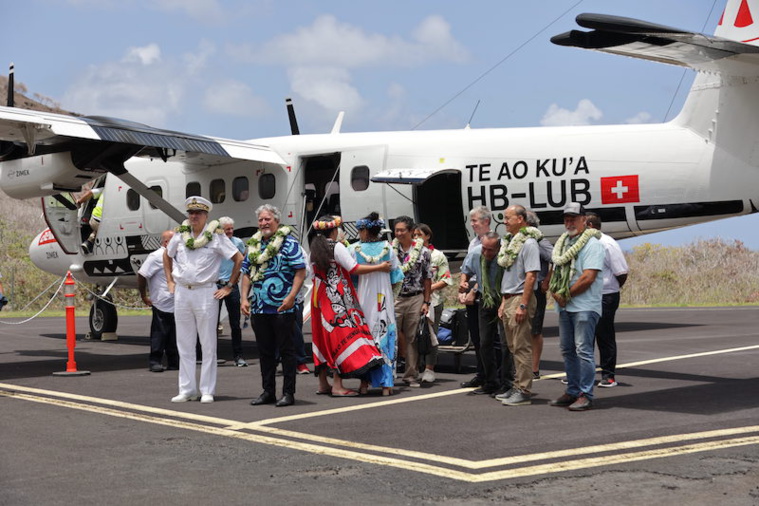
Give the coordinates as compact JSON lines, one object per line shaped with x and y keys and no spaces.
{"x":740,"y":22}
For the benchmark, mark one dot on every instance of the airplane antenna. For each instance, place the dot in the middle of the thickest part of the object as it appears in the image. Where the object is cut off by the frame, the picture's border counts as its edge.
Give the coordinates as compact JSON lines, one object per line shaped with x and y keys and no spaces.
{"x":10,"y":87}
{"x":488,"y":71}
{"x":469,"y":123}
{"x":291,"y":115}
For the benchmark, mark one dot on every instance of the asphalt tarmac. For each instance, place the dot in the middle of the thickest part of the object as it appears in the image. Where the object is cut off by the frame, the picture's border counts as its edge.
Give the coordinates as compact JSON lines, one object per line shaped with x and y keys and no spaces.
{"x":682,"y":427}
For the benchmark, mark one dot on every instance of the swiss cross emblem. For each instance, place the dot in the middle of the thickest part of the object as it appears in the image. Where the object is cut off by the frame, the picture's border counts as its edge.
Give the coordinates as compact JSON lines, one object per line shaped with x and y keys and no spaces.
{"x":619,"y":189}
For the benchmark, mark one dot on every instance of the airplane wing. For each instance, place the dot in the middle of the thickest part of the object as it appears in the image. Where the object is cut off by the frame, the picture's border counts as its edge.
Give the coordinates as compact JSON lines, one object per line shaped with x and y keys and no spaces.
{"x":53,"y":132}
{"x":43,"y":153}
{"x":648,"y":41}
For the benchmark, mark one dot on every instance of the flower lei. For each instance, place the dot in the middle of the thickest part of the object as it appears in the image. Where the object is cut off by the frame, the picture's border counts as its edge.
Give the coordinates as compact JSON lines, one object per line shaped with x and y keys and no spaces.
{"x":372,"y":259}
{"x":205,"y":237}
{"x":259,"y":260}
{"x":564,"y":261}
{"x":416,"y":250}
{"x":512,"y":245}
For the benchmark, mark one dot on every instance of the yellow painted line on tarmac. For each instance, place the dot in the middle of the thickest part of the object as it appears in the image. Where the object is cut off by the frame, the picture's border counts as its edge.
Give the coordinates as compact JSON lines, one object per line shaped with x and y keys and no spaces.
{"x":526,"y":471}
{"x":691,"y":355}
{"x":348,"y":409}
{"x":255,"y":438}
{"x":622,"y":458}
{"x":520,"y":459}
{"x":232,"y":428}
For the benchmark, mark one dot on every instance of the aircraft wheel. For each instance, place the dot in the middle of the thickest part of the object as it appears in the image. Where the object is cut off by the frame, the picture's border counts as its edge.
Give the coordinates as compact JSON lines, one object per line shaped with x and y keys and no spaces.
{"x":103,"y":318}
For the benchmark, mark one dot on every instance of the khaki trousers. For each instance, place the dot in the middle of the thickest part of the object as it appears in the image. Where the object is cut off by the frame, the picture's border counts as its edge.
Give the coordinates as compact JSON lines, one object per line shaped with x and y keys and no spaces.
{"x":519,"y":340}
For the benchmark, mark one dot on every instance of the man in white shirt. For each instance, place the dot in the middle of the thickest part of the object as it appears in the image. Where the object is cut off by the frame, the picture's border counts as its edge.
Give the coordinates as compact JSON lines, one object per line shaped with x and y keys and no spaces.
{"x":163,"y":335}
{"x":615,"y":274}
{"x":191,"y":262}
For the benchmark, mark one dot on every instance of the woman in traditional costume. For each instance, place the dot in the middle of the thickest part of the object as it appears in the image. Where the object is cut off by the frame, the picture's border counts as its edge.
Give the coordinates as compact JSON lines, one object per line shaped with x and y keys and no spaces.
{"x":341,"y":339}
{"x":441,"y":278}
{"x":375,"y":292}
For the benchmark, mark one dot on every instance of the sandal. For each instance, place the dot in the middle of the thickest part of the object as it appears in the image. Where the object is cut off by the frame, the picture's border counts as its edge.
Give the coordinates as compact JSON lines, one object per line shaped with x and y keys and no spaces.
{"x":324,"y":392}
{"x":347,"y":393}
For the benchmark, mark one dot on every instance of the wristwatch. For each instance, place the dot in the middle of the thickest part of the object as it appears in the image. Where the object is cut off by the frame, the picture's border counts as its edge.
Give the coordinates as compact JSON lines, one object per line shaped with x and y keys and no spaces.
{"x":427,"y":302}
{"x":522,"y":306}
{"x":229,"y":284}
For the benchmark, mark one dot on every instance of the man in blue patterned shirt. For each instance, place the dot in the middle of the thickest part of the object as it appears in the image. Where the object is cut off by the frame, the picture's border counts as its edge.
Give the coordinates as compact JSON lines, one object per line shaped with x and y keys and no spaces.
{"x":275,"y":268}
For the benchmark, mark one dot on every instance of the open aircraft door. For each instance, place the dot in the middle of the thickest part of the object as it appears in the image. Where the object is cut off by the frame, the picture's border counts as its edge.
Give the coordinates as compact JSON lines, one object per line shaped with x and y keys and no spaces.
{"x":62,"y":216}
{"x":437,"y":202}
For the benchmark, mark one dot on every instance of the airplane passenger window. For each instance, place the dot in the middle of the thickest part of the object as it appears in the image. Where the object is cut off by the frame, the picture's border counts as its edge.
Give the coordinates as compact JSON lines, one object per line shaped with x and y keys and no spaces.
{"x":132,"y":200}
{"x":360,"y":178}
{"x":240,"y":190}
{"x":192,"y":190}
{"x":159,"y":191}
{"x":267,"y":186}
{"x":218,"y":191}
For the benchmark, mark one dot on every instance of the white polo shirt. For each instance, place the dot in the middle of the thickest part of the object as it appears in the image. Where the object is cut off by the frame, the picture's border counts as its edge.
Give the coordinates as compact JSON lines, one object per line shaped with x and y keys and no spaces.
{"x":614,"y":264}
{"x":152,"y":270}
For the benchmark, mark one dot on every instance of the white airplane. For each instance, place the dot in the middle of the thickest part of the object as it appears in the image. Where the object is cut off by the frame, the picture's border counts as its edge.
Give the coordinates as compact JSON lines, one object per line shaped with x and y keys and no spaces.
{"x":701,"y":166}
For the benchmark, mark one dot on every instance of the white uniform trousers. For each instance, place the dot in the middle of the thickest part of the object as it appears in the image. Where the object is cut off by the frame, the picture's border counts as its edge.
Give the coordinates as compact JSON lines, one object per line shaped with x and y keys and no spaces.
{"x":196,"y":313}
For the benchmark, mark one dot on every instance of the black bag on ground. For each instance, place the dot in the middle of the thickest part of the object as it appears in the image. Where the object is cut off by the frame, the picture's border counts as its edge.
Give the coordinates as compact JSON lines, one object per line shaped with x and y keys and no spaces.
{"x":453,"y":329}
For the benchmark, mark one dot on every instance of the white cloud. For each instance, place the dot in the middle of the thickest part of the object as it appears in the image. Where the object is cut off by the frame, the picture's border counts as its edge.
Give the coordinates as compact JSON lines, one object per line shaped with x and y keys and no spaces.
{"x":641,"y":117}
{"x":328,"y":87}
{"x":233,"y":98}
{"x":584,"y":114}
{"x":146,"y":55}
{"x":200,"y":10}
{"x":327,"y":41}
{"x":134,"y":88}
{"x":320,"y":57}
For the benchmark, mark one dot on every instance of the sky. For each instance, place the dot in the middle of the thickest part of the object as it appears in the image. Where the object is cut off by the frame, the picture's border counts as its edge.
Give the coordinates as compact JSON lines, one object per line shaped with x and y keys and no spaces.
{"x":225,"y":67}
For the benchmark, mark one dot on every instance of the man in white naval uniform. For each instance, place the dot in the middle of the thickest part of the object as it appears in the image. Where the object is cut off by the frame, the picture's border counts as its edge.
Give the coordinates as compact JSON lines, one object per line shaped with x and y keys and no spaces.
{"x":191,"y":262}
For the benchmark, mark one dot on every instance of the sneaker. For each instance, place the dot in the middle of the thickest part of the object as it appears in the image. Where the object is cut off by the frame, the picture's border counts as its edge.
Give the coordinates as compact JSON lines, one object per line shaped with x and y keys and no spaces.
{"x":505,"y":395}
{"x":184,"y":398}
{"x":564,"y":381}
{"x":219,"y":330}
{"x":518,"y":398}
{"x":400,"y":365}
{"x":581,"y":404}
{"x":474,"y":382}
{"x":240,"y":362}
{"x":86,"y":247}
{"x":564,"y":401}
{"x":206,"y":399}
{"x":428,"y":376}
{"x":411,"y":382}
{"x":302,"y":369}
{"x":607,"y":382}
{"x":156,"y":368}
{"x":536,"y":375}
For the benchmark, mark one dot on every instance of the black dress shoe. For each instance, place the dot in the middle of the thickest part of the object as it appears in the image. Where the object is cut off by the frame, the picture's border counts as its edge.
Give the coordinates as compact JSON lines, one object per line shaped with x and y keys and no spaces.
{"x":474,"y":382}
{"x":286,"y":400}
{"x":264,"y":398}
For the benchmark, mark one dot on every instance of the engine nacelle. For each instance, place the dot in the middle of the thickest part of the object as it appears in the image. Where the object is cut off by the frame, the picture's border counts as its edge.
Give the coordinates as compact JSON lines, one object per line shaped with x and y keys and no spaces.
{"x":41,"y":175}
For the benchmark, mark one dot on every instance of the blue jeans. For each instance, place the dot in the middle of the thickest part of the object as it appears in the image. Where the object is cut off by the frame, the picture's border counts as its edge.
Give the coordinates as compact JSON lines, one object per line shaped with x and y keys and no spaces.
{"x":577,"y":342}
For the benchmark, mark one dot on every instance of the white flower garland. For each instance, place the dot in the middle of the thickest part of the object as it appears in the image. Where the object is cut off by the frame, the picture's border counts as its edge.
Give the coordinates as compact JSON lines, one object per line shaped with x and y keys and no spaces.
{"x":205,"y":237}
{"x":416,"y":250}
{"x":564,"y":261}
{"x":512,"y":245}
{"x":560,"y":258}
{"x":259,"y":259}
{"x":372,"y":259}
